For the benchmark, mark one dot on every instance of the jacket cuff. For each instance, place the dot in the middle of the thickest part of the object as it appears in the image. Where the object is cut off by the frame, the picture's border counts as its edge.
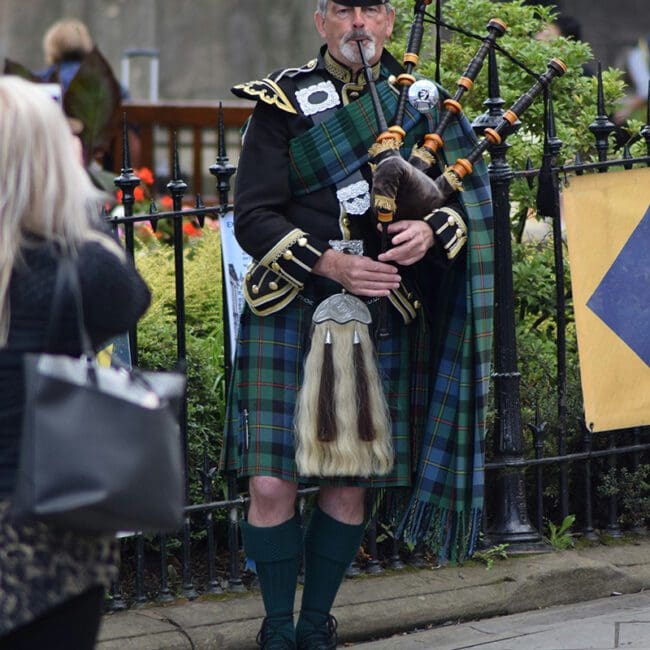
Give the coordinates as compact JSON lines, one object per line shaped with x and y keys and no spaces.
{"x":449,"y":228}
{"x":293,"y":257}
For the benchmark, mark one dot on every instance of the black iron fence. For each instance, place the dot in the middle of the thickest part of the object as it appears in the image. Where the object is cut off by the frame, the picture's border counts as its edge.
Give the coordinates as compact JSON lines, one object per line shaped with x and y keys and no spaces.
{"x":205,"y":557}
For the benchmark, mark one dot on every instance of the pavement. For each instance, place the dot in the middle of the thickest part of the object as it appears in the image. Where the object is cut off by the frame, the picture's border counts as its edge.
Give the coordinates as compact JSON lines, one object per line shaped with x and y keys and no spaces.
{"x":523,"y":602}
{"x":604,"y":624}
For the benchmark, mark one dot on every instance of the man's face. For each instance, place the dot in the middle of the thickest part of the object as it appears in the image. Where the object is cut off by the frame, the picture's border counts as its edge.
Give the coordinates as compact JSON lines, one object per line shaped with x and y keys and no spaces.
{"x":343,"y":26}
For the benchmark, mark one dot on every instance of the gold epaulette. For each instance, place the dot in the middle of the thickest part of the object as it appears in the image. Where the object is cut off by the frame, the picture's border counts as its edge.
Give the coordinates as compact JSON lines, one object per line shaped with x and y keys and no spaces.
{"x":268,"y":89}
{"x":265,"y":90}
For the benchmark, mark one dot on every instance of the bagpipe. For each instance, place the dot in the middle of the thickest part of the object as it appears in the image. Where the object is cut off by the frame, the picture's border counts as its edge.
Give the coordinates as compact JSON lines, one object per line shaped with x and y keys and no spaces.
{"x":342,"y":420}
{"x":403,"y":188}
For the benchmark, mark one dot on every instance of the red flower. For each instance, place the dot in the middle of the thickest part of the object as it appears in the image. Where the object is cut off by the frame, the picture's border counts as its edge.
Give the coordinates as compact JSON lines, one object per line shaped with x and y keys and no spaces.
{"x":138,"y":194}
{"x":145,"y":175}
{"x":191,"y":230}
{"x":167,"y":202}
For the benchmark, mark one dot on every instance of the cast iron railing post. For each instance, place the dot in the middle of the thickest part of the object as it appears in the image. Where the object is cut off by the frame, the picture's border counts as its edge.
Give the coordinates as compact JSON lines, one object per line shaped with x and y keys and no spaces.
{"x":177,"y":188}
{"x":588,"y":531}
{"x":639,"y":527}
{"x":537,"y":429}
{"x":140,"y":597}
{"x":223,"y":170}
{"x":552,"y":147}
{"x":602,"y":126}
{"x":613,"y":529}
{"x":207,"y":475}
{"x":510,"y":523}
{"x":235,"y":583}
{"x":127,"y":181}
{"x":165,"y":594}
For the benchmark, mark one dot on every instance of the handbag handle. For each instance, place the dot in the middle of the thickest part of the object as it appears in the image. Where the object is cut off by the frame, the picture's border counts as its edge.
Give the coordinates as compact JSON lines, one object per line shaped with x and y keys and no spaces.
{"x":68,"y":275}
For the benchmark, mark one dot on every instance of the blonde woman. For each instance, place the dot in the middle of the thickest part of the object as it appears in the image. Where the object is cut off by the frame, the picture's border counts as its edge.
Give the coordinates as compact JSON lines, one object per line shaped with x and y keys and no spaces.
{"x":51,"y":581}
{"x":65,"y":45}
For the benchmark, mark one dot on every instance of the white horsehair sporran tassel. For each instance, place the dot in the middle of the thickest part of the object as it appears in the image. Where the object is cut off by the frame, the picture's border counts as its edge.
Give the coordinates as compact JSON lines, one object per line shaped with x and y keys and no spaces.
{"x":342,"y":420}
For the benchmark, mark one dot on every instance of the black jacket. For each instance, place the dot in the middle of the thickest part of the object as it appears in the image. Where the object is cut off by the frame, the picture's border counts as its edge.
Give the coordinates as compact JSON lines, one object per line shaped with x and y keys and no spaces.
{"x":284,"y":233}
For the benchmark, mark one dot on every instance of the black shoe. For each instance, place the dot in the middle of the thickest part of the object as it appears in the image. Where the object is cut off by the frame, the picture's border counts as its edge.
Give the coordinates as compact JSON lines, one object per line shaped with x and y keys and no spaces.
{"x":271,"y":637}
{"x":322,"y":637}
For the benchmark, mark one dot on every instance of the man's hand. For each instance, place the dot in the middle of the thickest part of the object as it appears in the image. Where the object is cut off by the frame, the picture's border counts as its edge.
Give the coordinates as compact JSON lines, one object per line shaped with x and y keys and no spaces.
{"x":410,"y":240}
{"x":358,"y":274}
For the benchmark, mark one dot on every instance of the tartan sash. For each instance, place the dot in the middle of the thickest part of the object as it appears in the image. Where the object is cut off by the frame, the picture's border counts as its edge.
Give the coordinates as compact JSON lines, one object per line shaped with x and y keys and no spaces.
{"x":334,"y":149}
{"x":445,"y":505}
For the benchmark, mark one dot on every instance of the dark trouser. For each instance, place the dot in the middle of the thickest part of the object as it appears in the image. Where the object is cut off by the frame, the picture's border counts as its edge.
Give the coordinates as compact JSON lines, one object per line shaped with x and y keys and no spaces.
{"x":73,"y":625}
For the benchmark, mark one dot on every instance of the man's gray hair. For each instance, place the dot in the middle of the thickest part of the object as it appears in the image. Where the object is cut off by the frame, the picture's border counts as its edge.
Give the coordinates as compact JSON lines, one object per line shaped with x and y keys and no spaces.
{"x":321,"y":7}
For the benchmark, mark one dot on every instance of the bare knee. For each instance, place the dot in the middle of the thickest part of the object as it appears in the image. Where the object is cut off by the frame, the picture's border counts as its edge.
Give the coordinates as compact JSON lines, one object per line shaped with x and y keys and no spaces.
{"x":345,"y":504}
{"x":272,"y":500}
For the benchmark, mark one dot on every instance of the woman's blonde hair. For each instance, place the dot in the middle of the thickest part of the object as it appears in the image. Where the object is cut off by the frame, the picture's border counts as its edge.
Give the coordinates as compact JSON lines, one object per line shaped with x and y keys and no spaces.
{"x":44,"y":189}
{"x":67,"y":39}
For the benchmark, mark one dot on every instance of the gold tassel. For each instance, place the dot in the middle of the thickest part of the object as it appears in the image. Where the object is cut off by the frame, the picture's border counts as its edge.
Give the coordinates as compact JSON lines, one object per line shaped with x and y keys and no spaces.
{"x":453,"y":179}
{"x":388,"y":144}
{"x":384,"y":203}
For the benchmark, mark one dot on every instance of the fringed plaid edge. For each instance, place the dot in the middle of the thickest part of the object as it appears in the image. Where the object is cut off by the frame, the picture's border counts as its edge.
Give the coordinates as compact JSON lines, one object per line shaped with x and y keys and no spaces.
{"x":444,"y":511}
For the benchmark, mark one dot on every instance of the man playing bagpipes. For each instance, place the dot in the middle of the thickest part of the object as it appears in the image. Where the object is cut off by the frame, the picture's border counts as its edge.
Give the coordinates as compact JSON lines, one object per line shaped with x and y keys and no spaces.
{"x":318,"y":396}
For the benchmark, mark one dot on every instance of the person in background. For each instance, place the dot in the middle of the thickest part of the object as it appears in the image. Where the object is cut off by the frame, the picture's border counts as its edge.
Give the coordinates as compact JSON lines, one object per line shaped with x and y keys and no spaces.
{"x":65,"y":44}
{"x":636,"y":64}
{"x":569,"y":27}
{"x":52,"y":581}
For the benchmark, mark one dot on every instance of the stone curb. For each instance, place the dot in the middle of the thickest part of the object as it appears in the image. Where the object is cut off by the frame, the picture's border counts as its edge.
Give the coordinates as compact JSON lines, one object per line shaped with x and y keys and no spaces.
{"x":378,"y":606}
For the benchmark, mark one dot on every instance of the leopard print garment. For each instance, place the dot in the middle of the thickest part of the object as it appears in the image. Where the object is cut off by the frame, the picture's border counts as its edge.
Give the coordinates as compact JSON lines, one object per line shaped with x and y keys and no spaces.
{"x":41,"y":567}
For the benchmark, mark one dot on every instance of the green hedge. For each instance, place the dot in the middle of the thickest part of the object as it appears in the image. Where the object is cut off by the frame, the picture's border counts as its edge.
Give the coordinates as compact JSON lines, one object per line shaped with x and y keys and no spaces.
{"x":204,"y":340}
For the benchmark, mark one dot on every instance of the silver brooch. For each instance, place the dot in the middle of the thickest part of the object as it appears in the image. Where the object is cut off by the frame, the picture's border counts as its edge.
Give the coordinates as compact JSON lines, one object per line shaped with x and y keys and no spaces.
{"x":318,"y":98}
{"x":423,"y":95}
{"x":342,"y":308}
{"x":355,"y":198}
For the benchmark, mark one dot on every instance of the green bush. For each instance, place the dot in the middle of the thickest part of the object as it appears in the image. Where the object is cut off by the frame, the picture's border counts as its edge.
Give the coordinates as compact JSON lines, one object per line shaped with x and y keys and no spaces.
{"x":536,"y":332}
{"x":632,"y":487}
{"x":204,"y":342}
{"x":574,"y":95}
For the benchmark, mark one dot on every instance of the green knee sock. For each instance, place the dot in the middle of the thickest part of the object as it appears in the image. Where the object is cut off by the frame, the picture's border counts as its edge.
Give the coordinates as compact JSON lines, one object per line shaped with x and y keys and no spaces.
{"x":330,"y":547}
{"x":277,"y":551}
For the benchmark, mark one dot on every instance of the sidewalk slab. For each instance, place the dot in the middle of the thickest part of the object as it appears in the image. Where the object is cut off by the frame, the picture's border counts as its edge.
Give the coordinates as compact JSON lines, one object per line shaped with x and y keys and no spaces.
{"x":398,"y":601}
{"x":605,"y":624}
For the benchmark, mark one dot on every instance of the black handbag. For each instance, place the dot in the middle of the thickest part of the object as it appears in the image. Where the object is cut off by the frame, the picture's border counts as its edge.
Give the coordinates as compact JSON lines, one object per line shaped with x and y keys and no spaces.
{"x":101,"y":446}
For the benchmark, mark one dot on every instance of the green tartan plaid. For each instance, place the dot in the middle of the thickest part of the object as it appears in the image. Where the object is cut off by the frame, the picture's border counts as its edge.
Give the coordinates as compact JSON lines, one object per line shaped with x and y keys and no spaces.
{"x":445,"y":508}
{"x":259,"y":438}
{"x":335,"y":148}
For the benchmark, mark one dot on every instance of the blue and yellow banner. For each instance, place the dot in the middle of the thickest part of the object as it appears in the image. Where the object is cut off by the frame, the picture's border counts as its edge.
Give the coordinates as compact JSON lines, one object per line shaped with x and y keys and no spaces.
{"x":607,"y":219}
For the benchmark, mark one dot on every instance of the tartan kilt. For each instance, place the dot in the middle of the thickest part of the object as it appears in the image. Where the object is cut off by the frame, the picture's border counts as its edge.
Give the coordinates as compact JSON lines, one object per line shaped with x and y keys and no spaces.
{"x":259,"y":433}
